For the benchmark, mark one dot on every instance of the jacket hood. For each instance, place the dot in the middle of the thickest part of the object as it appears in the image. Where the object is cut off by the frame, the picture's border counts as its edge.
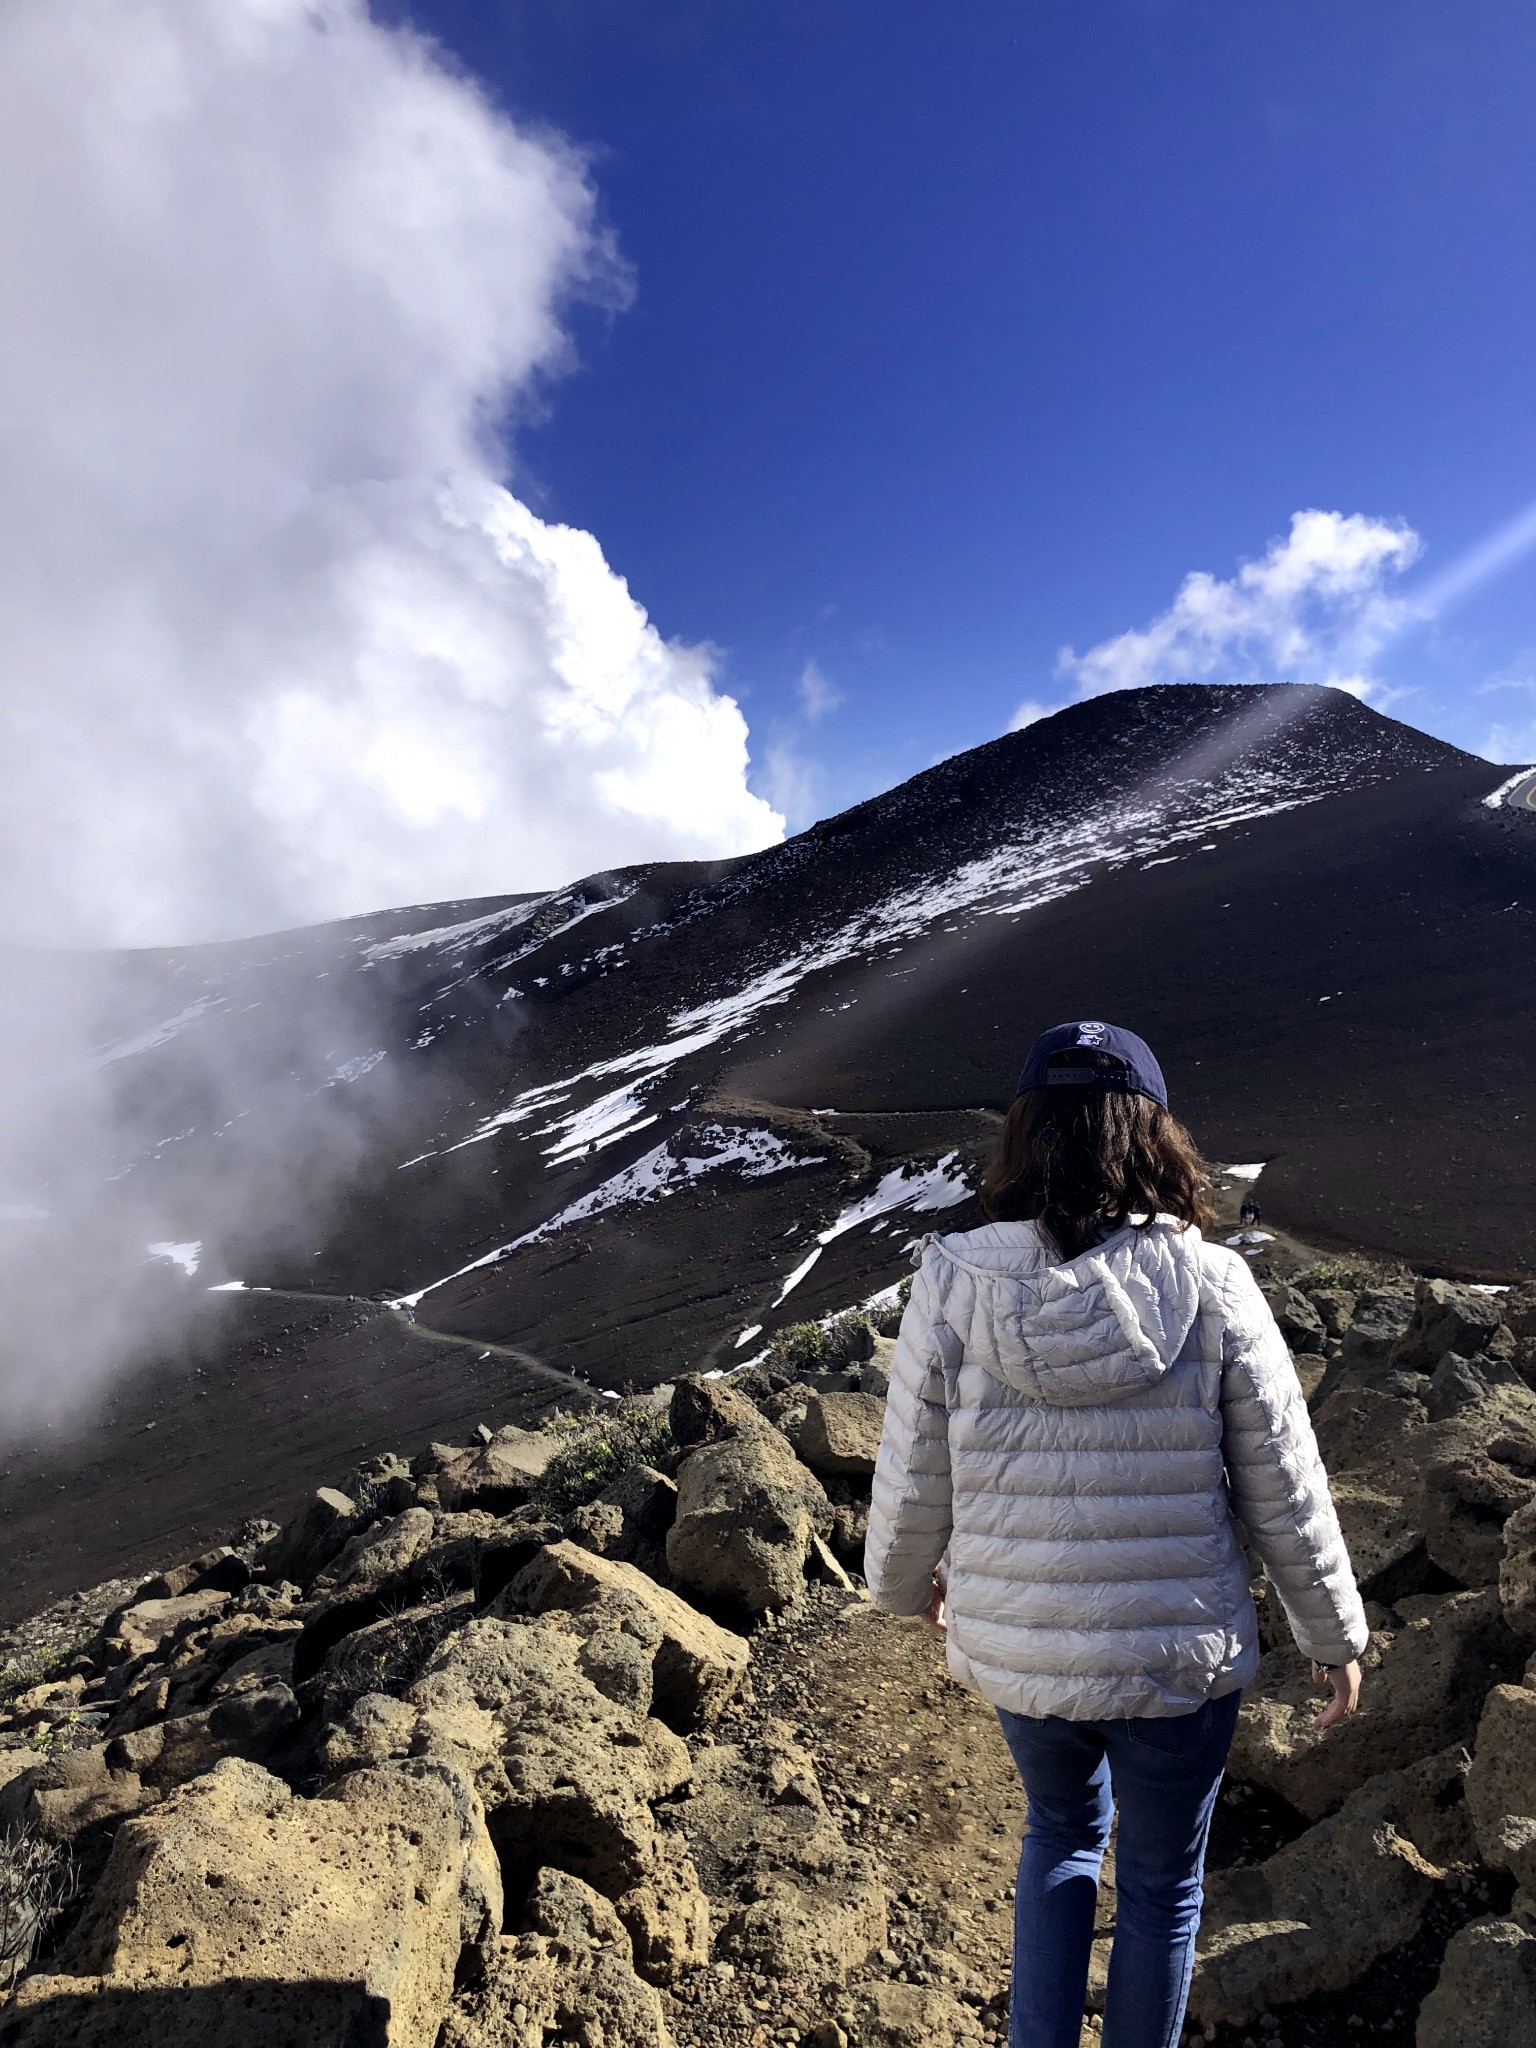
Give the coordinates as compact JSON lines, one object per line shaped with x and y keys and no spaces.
{"x":1100,"y":1327}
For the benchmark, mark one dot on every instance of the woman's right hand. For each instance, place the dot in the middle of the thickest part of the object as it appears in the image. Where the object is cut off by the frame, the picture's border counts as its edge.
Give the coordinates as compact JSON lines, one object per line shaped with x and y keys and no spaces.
{"x":1343,"y":1680}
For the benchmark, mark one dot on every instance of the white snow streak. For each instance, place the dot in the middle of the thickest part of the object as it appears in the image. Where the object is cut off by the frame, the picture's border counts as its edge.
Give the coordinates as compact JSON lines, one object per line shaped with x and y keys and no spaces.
{"x":659,"y":1173}
{"x":1504,"y":789}
{"x":940,"y":1187}
{"x":158,"y":1034}
{"x":184,"y":1255}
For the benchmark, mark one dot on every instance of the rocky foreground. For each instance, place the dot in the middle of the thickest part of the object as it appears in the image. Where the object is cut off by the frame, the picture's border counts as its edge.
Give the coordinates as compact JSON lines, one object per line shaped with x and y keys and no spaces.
{"x":589,"y":1736}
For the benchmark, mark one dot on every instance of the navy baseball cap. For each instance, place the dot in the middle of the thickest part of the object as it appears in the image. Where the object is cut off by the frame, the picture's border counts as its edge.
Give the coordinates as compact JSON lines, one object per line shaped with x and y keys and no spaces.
{"x":1138,"y":1072}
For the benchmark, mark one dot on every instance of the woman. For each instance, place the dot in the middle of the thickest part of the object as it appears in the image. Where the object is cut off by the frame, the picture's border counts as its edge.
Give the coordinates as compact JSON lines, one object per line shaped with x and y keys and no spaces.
{"x":1086,"y":1400}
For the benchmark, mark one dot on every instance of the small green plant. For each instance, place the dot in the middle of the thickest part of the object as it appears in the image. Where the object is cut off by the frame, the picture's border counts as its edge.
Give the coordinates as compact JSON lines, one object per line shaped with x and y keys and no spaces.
{"x":821,"y":1347}
{"x":55,"y":1737}
{"x":38,"y":1879}
{"x":800,"y":1348}
{"x":595,"y":1449}
{"x":1351,"y":1275}
{"x":20,"y":1674}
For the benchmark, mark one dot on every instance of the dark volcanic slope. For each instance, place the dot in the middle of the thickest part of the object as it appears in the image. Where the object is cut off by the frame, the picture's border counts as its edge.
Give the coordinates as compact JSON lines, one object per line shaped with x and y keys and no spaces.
{"x":596,"y":1101}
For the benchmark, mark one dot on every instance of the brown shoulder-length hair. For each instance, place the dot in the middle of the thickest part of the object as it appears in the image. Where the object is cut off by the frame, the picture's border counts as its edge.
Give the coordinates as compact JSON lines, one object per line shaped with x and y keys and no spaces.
{"x":1080,"y":1162}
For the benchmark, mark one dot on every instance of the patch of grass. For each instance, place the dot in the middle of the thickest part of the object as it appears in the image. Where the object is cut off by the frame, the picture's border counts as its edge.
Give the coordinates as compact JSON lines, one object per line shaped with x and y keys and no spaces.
{"x":817,"y":1347}
{"x":1353,"y":1275}
{"x":20,"y":1674}
{"x":595,"y":1449}
{"x":389,"y":1655}
{"x":38,"y":1879}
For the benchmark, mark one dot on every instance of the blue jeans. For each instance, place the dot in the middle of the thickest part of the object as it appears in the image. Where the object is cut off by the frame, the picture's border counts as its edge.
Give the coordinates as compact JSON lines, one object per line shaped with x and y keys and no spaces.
{"x":1164,"y":1775}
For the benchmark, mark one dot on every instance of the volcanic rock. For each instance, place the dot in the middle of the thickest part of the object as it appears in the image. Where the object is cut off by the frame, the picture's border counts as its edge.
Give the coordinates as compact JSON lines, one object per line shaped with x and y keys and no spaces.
{"x":696,"y":1664}
{"x":1381,"y":1317}
{"x":142,"y":1629}
{"x":566,"y":1773}
{"x":1424,"y":1687}
{"x":702,"y":1411}
{"x":569,"y":1978}
{"x":667,"y":1916}
{"x":910,"y":2016}
{"x":1446,"y":1318}
{"x":496,"y":1477}
{"x":1470,"y":1496}
{"x":746,"y":1512}
{"x":303,"y":1547}
{"x":63,"y":1796}
{"x":1335,"y":1307}
{"x":1318,"y":1913}
{"x":1501,"y":1783}
{"x":796,"y":1900}
{"x":1300,"y":1324}
{"x":839,"y":1434}
{"x":1485,"y":1996}
{"x":273,"y":1918}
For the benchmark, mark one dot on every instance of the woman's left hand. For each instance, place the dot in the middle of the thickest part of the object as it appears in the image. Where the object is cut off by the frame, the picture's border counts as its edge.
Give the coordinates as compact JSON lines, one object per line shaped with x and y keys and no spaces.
{"x":933,"y":1613}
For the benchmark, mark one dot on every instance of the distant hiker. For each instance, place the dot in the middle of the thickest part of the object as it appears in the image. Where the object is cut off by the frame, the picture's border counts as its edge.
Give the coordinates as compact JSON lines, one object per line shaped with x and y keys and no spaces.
{"x":1084,"y":1399}
{"x":1248,"y":1216}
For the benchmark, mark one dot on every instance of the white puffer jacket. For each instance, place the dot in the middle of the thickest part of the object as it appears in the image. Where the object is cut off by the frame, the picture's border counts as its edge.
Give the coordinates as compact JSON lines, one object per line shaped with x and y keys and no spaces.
{"x":1077,"y":1438}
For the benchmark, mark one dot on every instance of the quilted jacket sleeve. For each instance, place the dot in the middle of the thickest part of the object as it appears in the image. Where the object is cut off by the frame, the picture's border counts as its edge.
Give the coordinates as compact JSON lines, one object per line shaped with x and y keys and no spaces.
{"x":1278,"y":1485}
{"x":911,"y":1508}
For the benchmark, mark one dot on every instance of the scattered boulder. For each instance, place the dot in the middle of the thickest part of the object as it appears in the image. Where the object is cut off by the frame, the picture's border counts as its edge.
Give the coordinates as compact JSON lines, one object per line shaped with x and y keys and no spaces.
{"x":1446,"y":1318}
{"x":1381,"y":1317}
{"x":302,"y":1548}
{"x":1300,"y":1324}
{"x":368,"y":1560}
{"x":1314,"y":1916}
{"x":1517,"y":1572}
{"x":908,"y":2016}
{"x":1458,"y":1384}
{"x":796,"y":1900}
{"x":164,"y":1754}
{"x":148,"y":1626}
{"x":1485,"y":1996}
{"x":63,"y":1796}
{"x":1470,"y":1495}
{"x":496,"y":1477}
{"x":1501,"y":1783}
{"x":839,"y":1434}
{"x":274,"y":1918}
{"x":746,"y":1512}
{"x":1424,"y":1686}
{"x":703,"y":1411}
{"x":696,"y":1665}
{"x":667,"y":1916}
{"x":566,"y":1774}
{"x":1335,"y":1308}
{"x":570,"y":1977}
{"x":629,"y":1520}
{"x":875,"y":1372}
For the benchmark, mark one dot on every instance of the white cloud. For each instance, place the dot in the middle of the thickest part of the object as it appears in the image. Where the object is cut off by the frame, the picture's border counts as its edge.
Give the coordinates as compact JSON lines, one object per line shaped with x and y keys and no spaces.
{"x":793,"y":781}
{"x":818,"y":693}
{"x":1512,"y":743}
{"x":276,"y":643}
{"x":1316,"y":607}
{"x":1029,"y":713}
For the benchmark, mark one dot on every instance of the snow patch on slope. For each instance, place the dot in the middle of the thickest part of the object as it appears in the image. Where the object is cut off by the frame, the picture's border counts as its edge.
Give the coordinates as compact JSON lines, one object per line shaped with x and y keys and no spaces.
{"x":662,"y":1171}
{"x":941,"y":1186}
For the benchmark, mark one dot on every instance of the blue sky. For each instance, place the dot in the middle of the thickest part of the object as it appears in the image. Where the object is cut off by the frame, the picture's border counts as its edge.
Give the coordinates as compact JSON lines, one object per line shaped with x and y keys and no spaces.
{"x":961,"y":336}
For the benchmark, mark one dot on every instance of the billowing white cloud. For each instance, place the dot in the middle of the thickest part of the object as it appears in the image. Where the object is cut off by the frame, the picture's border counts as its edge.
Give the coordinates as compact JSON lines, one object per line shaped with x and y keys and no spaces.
{"x":275,"y":642}
{"x":1315,"y":608}
{"x":1030,"y":712}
